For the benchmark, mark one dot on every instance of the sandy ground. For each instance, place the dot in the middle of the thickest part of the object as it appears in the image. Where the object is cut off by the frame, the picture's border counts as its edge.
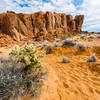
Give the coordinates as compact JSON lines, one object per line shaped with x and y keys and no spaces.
{"x":77,"y":80}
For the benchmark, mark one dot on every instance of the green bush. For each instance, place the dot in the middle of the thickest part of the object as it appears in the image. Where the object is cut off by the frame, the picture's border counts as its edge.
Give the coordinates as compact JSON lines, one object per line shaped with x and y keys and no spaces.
{"x":22,"y":75}
{"x":26,"y":55}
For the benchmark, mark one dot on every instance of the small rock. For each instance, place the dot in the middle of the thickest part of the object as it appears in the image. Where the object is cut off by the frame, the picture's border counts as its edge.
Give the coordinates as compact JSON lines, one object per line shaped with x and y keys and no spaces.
{"x":65,"y":60}
{"x":92,"y":58}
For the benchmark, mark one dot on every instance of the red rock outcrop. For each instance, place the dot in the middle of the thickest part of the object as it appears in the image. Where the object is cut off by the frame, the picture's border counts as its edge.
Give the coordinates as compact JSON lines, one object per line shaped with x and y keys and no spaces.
{"x":20,"y":25}
{"x":79,"y":21}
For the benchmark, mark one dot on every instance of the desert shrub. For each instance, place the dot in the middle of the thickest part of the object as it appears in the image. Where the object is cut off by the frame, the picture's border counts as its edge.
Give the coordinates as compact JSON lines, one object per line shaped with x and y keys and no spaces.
{"x":10,"y":80}
{"x":57,"y":40}
{"x":6,"y":58}
{"x":91,"y":37}
{"x":67,"y":34}
{"x":98,"y":36}
{"x":82,"y":36}
{"x":0,"y":51}
{"x":48,"y":49}
{"x":45,"y":43}
{"x":22,"y":75}
{"x":65,"y":60}
{"x":92,"y":58}
{"x":26,"y":55}
{"x":56,"y":44}
{"x":69,"y":42}
{"x":81,"y":46}
{"x":39,"y":45}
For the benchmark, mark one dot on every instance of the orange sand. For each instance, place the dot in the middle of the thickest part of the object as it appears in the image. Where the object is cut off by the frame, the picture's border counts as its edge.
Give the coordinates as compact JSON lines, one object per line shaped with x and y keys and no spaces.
{"x":76,"y":80}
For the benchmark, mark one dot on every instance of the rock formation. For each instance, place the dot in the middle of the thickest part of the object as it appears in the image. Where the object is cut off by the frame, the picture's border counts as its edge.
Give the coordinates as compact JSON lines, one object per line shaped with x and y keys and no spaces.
{"x":19,"y":25}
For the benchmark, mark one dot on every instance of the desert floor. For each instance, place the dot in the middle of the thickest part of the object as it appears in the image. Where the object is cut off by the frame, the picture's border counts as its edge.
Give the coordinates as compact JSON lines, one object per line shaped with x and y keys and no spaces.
{"x":77,"y":80}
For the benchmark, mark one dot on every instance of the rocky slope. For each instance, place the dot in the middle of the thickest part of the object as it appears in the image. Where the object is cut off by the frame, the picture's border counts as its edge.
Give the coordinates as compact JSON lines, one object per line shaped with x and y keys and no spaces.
{"x":39,"y":24}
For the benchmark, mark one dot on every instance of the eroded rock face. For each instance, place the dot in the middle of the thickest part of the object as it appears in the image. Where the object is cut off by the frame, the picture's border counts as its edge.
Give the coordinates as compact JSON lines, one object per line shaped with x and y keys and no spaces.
{"x":20,"y":25}
{"x":79,"y":21}
{"x":27,"y":20}
{"x":13,"y":26}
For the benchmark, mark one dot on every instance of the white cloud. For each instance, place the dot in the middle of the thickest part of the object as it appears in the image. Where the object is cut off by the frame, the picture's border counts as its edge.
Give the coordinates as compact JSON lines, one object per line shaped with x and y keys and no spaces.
{"x":47,"y":6}
{"x":92,"y":15}
{"x":3,"y":5}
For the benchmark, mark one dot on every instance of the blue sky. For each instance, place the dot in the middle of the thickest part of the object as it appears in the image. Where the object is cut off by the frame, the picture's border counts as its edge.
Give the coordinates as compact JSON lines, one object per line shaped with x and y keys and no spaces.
{"x":90,"y":8}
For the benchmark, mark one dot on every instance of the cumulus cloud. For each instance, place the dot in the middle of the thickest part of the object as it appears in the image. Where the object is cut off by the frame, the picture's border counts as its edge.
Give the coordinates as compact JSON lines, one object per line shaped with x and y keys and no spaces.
{"x":92,"y":12}
{"x":2,"y":7}
{"x":91,"y":9}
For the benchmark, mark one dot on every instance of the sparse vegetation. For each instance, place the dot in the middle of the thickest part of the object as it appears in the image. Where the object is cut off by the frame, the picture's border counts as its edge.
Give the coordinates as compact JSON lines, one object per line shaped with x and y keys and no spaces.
{"x":62,"y":34}
{"x":92,"y":58}
{"x":69,"y":42}
{"x":6,"y":58}
{"x":26,"y":55}
{"x":39,"y":45}
{"x":98,"y":37}
{"x":45,"y":43}
{"x":82,"y":36}
{"x":22,"y":75}
{"x":91,"y":37}
{"x":56,"y":44}
{"x":48,"y":49}
{"x":57,"y":40}
{"x":65,"y":60}
{"x":0,"y":51}
{"x":81,"y":46}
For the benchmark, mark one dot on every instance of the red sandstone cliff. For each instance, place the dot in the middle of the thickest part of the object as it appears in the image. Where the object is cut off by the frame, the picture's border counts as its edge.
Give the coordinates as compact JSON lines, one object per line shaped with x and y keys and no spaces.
{"x":20,"y":25}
